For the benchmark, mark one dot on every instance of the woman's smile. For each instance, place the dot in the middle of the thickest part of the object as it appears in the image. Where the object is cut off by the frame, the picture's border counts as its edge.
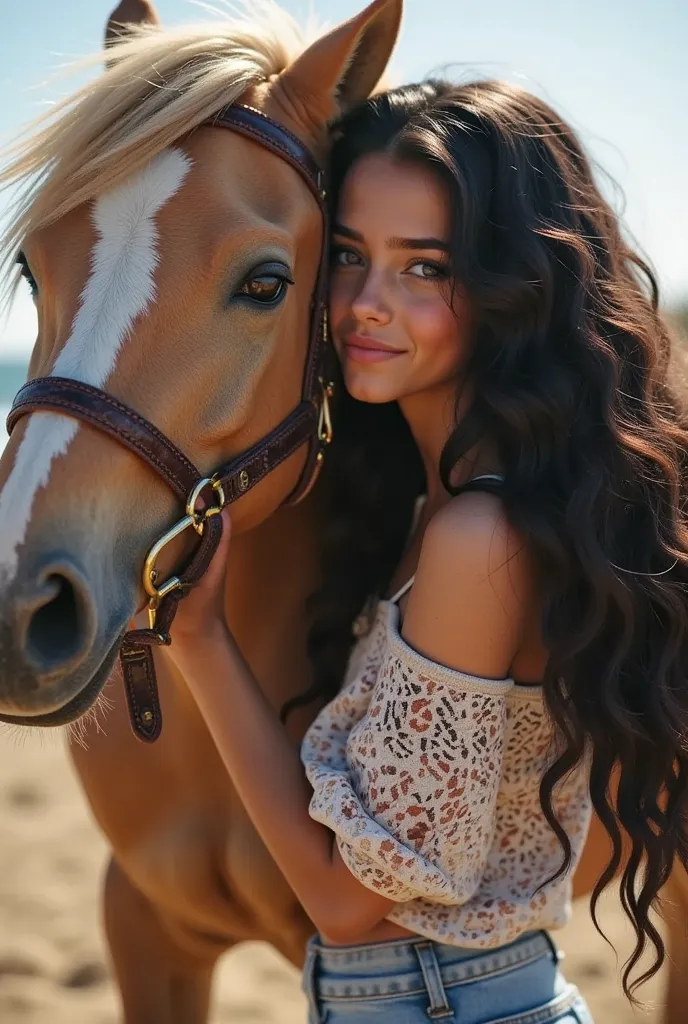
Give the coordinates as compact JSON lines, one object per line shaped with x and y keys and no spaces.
{"x":363,"y":349}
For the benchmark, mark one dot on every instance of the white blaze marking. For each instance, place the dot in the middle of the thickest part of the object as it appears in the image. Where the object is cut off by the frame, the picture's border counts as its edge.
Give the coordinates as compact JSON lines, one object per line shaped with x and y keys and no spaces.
{"x":120,"y":287}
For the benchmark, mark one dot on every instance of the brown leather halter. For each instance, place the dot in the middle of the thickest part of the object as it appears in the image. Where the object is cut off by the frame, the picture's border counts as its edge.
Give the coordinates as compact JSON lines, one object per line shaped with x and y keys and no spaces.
{"x":308,"y":423}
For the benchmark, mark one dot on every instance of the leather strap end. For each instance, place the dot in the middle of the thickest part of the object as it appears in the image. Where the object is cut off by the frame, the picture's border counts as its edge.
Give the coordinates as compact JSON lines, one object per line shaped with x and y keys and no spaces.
{"x":141,"y":689}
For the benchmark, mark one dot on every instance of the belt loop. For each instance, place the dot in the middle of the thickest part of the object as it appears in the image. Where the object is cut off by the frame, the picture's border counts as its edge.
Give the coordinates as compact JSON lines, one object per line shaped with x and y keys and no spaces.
{"x":439,"y":1008}
{"x":310,"y":984}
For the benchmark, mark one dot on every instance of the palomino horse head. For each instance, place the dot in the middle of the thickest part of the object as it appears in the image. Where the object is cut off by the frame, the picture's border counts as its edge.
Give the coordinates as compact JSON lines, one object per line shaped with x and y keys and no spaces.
{"x":173,"y":265}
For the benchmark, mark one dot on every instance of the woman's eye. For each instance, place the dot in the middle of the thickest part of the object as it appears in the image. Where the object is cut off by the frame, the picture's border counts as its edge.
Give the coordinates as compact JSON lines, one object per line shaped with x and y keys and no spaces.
{"x":345,"y":257}
{"x":27,"y":275}
{"x":266,"y":288}
{"x":429,"y":271}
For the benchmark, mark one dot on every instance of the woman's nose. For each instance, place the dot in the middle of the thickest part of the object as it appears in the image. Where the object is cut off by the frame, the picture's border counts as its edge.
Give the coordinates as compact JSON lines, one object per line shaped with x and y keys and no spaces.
{"x":371,"y":303}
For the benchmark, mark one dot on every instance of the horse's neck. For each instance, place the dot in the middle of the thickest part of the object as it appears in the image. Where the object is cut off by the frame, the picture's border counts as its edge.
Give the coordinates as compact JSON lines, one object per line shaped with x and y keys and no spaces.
{"x":271,"y":571}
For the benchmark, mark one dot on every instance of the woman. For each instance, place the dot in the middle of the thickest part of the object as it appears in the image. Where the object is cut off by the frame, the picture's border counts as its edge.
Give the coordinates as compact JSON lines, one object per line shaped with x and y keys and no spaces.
{"x":509,"y":512}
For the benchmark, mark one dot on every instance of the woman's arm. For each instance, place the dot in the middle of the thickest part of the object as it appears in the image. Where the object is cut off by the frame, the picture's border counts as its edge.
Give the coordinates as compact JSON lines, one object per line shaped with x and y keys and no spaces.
{"x":264,"y":764}
{"x":456,"y":566}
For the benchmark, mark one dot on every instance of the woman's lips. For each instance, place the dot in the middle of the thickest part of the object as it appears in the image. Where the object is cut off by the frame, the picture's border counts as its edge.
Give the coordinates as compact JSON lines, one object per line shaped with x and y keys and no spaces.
{"x":367,"y":350}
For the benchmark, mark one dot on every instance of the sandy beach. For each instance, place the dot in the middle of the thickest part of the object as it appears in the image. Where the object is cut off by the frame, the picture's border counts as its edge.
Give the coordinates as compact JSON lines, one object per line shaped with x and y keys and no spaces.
{"x":53,"y":962}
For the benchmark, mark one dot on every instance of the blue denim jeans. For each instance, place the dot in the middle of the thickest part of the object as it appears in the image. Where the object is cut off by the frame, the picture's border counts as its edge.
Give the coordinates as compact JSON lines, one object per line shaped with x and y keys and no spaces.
{"x":410,"y":982}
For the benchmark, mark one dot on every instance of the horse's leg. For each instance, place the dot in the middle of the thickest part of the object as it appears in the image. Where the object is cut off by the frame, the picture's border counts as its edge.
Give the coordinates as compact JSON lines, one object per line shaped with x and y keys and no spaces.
{"x":159,"y":981}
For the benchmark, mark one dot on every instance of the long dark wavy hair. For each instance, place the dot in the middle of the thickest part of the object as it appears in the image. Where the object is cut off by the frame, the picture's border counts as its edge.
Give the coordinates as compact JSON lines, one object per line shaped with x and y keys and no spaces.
{"x":570,"y":372}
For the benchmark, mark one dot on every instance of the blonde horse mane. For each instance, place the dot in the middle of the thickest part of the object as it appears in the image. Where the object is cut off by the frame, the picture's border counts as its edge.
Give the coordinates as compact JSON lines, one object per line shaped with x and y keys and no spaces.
{"x":160,"y":84}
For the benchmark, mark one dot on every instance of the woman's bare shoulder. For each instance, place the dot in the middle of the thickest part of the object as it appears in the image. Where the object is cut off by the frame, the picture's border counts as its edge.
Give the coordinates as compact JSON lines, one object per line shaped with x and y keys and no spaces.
{"x":473,"y":590}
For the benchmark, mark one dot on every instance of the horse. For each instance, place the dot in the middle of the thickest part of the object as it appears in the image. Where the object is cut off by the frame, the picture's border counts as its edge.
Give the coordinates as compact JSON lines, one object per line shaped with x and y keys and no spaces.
{"x":175,"y":264}
{"x":188,"y":878}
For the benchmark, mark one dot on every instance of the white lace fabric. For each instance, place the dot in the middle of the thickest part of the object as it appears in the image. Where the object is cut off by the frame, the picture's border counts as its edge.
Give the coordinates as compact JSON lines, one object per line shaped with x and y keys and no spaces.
{"x":429,"y":779}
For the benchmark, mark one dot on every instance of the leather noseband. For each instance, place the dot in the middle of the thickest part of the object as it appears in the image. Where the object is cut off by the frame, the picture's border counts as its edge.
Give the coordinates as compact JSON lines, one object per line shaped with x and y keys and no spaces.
{"x":309,"y":423}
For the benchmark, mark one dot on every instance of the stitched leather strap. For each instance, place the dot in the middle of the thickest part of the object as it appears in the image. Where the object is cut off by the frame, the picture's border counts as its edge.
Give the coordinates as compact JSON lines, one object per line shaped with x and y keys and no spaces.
{"x":112,"y":417}
{"x":126,"y":426}
{"x":256,"y":125}
{"x":240,"y":474}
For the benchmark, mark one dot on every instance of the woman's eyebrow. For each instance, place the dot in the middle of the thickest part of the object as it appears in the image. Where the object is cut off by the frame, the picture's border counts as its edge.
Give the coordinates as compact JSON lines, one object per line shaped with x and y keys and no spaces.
{"x":417,"y":243}
{"x":341,"y":229}
{"x":395,"y":242}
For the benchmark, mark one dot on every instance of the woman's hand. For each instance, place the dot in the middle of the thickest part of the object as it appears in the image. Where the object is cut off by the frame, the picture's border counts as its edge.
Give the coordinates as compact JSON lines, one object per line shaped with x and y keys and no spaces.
{"x":201,"y":614}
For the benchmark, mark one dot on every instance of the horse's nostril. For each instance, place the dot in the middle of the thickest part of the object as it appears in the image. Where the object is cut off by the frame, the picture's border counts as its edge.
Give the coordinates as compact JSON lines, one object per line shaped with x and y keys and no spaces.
{"x":56,"y":631}
{"x":48,"y":642}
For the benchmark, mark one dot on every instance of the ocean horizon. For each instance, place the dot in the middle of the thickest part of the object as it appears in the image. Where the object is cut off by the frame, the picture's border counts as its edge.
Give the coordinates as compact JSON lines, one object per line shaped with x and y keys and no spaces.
{"x":12,"y":376}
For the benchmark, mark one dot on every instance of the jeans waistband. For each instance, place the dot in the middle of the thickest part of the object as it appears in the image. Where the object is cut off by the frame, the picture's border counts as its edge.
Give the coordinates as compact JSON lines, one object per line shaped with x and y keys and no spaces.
{"x":398,"y":955}
{"x":386,"y":968}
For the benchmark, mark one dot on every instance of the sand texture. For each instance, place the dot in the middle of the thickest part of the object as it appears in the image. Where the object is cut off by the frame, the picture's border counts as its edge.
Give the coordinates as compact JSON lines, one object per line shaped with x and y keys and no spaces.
{"x":53,"y":962}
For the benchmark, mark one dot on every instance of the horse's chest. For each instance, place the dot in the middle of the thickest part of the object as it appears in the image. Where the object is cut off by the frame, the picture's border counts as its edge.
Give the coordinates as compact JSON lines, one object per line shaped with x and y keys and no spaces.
{"x":179,"y":831}
{"x":215,"y":876}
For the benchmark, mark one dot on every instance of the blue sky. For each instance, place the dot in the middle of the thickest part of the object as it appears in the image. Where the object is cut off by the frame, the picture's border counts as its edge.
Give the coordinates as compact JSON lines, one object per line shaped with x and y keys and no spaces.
{"x":616,"y":69}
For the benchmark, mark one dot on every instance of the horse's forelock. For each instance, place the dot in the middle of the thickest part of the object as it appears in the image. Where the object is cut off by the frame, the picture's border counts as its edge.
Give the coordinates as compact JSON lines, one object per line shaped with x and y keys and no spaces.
{"x":160,"y":84}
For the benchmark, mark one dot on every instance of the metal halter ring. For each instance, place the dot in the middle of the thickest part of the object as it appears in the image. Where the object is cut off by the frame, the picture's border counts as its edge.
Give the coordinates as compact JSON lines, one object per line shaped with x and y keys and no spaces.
{"x":199,"y":517}
{"x":194,"y":518}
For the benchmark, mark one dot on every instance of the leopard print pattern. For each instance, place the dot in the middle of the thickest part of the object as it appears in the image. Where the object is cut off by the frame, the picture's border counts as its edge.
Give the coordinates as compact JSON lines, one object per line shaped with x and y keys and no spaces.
{"x":430,"y":780}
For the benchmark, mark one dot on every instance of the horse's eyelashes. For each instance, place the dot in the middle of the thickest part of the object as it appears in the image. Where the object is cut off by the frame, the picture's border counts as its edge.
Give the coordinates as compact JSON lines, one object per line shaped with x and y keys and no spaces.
{"x":26,"y":273}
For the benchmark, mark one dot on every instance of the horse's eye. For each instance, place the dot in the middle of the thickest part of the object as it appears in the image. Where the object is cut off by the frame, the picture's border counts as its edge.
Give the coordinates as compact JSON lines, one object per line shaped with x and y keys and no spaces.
{"x":266,"y":285}
{"x":266,"y":288}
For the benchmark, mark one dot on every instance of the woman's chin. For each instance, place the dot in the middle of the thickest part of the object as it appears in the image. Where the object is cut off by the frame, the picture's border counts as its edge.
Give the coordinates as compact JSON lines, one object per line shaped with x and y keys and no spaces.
{"x":367,"y":388}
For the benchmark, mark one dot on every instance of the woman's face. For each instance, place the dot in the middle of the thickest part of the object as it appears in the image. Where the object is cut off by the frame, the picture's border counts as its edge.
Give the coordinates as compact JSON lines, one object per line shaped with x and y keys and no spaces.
{"x":392,"y":325}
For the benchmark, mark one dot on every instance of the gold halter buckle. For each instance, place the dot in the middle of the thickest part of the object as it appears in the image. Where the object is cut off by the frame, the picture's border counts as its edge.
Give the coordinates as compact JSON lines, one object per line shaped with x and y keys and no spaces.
{"x":195,"y":518}
{"x":325,"y":431}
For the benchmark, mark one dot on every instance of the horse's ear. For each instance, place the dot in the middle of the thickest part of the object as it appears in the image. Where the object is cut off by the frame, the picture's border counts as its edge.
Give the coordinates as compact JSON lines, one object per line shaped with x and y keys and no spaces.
{"x":129,"y":12}
{"x":343,"y":67}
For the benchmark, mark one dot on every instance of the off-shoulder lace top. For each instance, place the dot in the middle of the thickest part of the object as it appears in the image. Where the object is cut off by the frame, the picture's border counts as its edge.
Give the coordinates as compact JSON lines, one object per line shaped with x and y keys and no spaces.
{"x":429,"y":779}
